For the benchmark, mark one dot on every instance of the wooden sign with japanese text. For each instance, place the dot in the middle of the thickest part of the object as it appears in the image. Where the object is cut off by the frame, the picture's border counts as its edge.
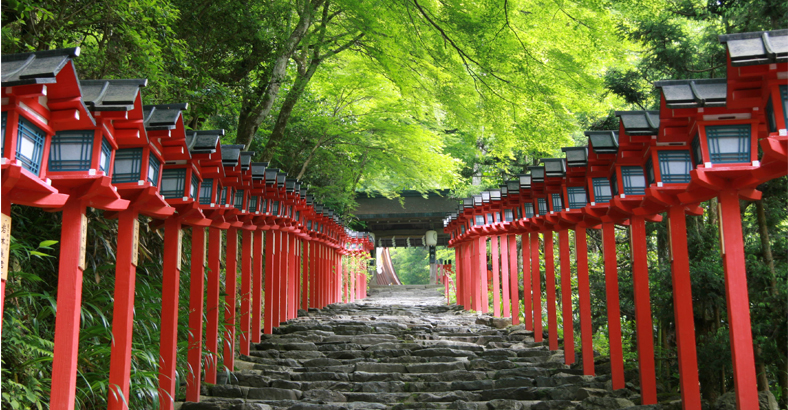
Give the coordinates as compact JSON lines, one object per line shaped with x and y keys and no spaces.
{"x":83,"y":241}
{"x":5,"y":245}
{"x":135,"y":242}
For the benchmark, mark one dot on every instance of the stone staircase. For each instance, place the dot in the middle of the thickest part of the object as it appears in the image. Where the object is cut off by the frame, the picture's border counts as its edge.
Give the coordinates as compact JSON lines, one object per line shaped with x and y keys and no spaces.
{"x":405,"y":349}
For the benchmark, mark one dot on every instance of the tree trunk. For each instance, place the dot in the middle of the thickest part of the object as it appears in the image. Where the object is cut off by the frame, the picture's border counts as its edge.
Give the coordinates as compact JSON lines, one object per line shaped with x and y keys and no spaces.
{"x":252,"y":114}
{"x":291,"y":99}
{"x":782,"y":381}
{"x":766,"y":245}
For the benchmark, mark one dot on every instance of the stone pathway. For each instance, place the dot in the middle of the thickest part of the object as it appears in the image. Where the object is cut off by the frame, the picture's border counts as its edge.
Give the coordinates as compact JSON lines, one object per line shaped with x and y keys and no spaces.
{"x":404,"y":348}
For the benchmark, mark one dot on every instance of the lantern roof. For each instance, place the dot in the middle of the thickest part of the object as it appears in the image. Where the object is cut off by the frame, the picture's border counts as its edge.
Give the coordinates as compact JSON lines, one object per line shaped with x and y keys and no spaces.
{"x":537,"y":173}
{"x":603,"y":142}
{"x":576,"y":156}
{"x":40,"y":67}
{"x":709,"y":92}
{"x":762,"y":47}
{"x":231,"y":155}
{"x":554,"y":167}
{"x":163,"y":117}
{"x":525,"y":181}
{"x":258,"y":171}
{"x":203,"y":142}
{"x":513,"y":186}
{"x":640,"y":122}
{"x":111,"y":95}
{"x":495,"y":195}
{"x":246,"y":159}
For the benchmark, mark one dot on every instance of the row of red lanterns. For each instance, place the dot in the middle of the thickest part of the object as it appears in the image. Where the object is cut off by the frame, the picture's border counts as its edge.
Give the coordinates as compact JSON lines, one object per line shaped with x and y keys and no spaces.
{"x":69,"y":144}
{"x":703,"y":143}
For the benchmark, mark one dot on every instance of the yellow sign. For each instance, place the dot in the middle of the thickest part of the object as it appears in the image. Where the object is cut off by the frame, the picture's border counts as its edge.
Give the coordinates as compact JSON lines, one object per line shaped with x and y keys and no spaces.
{"x":83,"y":241}
{"x":204,"y":247}
{"x":5,"y":245}
{"x":180,"y":247}
{"x":135,"y":242}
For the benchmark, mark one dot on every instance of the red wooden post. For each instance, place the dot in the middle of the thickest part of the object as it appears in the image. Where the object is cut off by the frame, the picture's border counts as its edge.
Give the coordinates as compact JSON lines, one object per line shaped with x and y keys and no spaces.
{"x":645,"y":332}
{"x":69,"y":302}
{"x":506,"y":283}
{"x":514,"y":286}
{"x":196,"y":291}
{"x":231,"y":271}
{"x":485,"y":301}
{"x":613,"y":309}
{"x":6,"y":209}
{"x":288,"y":272}
{"x":566,"y":296}
{"x":246,"y":289}
{"x":527,"y":301}
{"x":257,"y":285}
{"x":458,"y":274}
{"x":495,"y":276}
{"x":345,"y":278}
{"x":469,"y":275}
{"x":537,"y":287}
{"x":269,"y":291}
{"x":584,"y":299}
{"x":284,"y":277}
{"x":313,"y":274}
{"x":306,"y":282}
{"x":277,"y":277}
{"x":293,"y":301}
{"x":123,"y":310}
{"x":477,"y":287}
{"x":738,"y":301}
{"x":682,"y":307}
{"x":171,"y":271}
{"x":549,"y":273}
{"x":212,"y":303}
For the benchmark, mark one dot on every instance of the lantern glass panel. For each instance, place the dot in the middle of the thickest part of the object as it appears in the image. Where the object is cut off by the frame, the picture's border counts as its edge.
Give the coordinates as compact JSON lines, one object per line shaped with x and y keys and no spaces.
{"x":634,"y":180}
{"x":771,"y":117}
{"x":558,"y":203}
{"x":542,"y":205}
{"x":696,"y":151}
{"x":275,"y":208}
{"x":463,"y":229}
{"x":2,"y":133}
{"x":784,"y":97}
{"x":528,"y":208}
{"x":479,"y":220}
{"x":490,"y":218}
{"x":728,"y":143}
{"x":71,"y":151}
{"x":206,"y":189}
{"x":194,"y":187}
{"x":650,"y":177}
{"x":252,"y":205}
{"x":239,"y":199}
{"x":153,"y":170}
{"x":675,"y":166}
{"x":614,"y":183}
{"x":602,"y":192}
{"x":173,"y":181}
{"x":264,"y":206}
{"x":508,"y":215}
{"x":577,"y":197}
{"x":30,"y":146}
{"x":128,"y":164}
{"x":497,"y":217}
{"x":105,"y":156}
{"x":222,"y":196}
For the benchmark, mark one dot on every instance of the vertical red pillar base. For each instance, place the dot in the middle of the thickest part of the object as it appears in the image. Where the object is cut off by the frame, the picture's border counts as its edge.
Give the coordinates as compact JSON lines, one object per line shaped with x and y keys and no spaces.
{"x":514,"y":286}
{"x":269,"y":283}
{"x":566,"y":297}
{"x":584,"y":300}
{"x":527,"y":301}
{"x":505,"y":281}
{"x":169,"y":312}
{"x":537,"y":287}
{"x":69,"y":303}
{"x":682,"y":308}
{"x":645,"y":332}
{"x":496,"y":283}
{"x":123,"y":311}
{"x":549,"y":273}
{"x":613,"y":307}
{"x":246,"y":290}
{"x":257,"y":286}
{"x":212,"y":303}
{"x":196,"y":291}
{"x":738,"y":301}
{"x":231,"y":272}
